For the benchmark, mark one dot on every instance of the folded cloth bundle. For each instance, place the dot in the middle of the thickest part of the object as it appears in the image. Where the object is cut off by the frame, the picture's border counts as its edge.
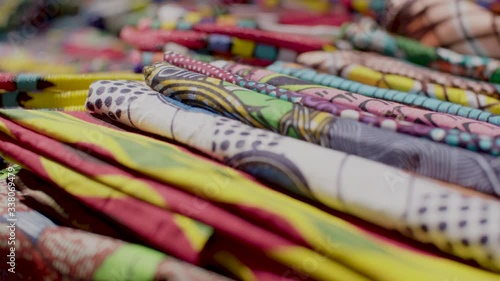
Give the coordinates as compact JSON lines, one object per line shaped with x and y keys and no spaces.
{"x":459,"y":25}
{"x":420,"y":156}
{"x":57,"y":82}
{"x":368,"y":36}
{"x":348,"y":65}
{"x":452,"y":137}
{"x":42,"y":249}
{"x":386,"y":65}
{"x":58,"y":92}
{"x":454,"y":111}
{"x":305,"y":233}
{"x":305,"y":169}
{"x":261,"y":47}
{"x":67,"y":100}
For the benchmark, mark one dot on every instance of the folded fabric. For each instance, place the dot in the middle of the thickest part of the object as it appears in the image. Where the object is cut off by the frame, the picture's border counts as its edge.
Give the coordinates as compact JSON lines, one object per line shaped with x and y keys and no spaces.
{"x":61,"y":208}
{"x":296,"y":166}
{"x":288,"y":217}
{"x":61,"y":100}
{"x":216,"y":254}
{"x":398,"y":150}
{"x":165,"y":231}
{"x":454,"y":115}
{"x":339,"y":65}
{"x":57,"y":82}
{"x":269,"y":22}
{"x":111,"y":196}
{"x":297,"y":43}
{"x":459,"y":25}
{"x":427,"y":81}
{"x":450,"y":137}
{"x":43,"y":249}
{"x":368,"y":36}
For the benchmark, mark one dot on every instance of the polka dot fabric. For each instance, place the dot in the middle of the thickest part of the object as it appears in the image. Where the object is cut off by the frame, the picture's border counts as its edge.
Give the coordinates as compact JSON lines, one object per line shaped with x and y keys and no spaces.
{"x":457,"y":223}
{"x":120,"y":89}
{"x":199,"y":67}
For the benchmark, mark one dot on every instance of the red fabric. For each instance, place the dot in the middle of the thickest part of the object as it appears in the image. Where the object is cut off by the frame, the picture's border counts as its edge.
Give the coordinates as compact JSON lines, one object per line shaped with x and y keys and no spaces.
{"x":298,"y":43}
{"x":7,"y":82}
{"x":153,"y":40}
{"x":312,"y":19}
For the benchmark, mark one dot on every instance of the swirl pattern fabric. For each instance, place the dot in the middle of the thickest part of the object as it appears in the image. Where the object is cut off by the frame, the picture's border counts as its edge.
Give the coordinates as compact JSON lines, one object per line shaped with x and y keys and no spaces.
{"x":420,"y":156}
{"x":309,"y":82}
{"x":454,"y":115}
{"x":303,"y":168}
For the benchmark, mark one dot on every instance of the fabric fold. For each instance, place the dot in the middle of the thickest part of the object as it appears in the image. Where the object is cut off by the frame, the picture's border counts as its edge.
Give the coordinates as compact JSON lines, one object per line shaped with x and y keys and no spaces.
{"x":344,"y":66}
{"x":433,"y":106}
{"x":42,"y":249}
{"x":423,"y":157}
{"x":343,"y":109}
{"x":441,"y":81}
{"x":462,"y":26}
{"x":302,"y":168}
{"x":167,"y":231}
{"x":366,"y":35}
{"x":314,"y":226}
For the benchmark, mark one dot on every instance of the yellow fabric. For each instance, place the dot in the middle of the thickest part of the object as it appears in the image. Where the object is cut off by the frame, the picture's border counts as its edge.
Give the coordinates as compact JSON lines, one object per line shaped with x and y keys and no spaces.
{"x":371,"y":77}
{"x":351,"y":248}
{"x":242,"y":47}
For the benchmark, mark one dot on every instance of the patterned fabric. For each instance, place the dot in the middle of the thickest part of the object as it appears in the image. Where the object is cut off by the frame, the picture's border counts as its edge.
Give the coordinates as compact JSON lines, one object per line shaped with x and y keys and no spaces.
{"x":457,"y":116}
{"x":458,"y":25}
{"x":171,"y":229}
{"x":369,"y":103}
{"x":297,"y":43}
{"x":42,"y":250}
{"x":228,"y":41}
{"x":451,"y":137}
{"x":304,"y":169}
{"x":67,"y":82}
{"x":386,"y":65}
{"x":341,"y":65}
{"x":367,"y":35}
{"x":291,"y":219}
{"x":56,"y":92}
{"x":101,"y":197}
{"x":420,"y":156}
{"x":66,"y":100}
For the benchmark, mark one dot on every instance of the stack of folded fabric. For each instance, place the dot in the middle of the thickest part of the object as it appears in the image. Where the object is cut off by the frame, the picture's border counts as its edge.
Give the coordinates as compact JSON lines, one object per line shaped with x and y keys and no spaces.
{"x":272,"y":140}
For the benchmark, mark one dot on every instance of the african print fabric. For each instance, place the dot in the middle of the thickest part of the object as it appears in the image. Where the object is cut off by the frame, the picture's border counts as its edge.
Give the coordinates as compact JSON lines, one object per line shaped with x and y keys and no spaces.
{"x":342,"y":65}
{"x":368,"y":36}
{"x":459,"y":25}
{"x":345,"y":110}
{"x":57,"y":92}
{"x":302,"y":168}
{"x":387,"y":65}
{"x":42,"y":249}
{"x":324,"y":129}
{"x":293,"y":220}
{"x":455,"y":113}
